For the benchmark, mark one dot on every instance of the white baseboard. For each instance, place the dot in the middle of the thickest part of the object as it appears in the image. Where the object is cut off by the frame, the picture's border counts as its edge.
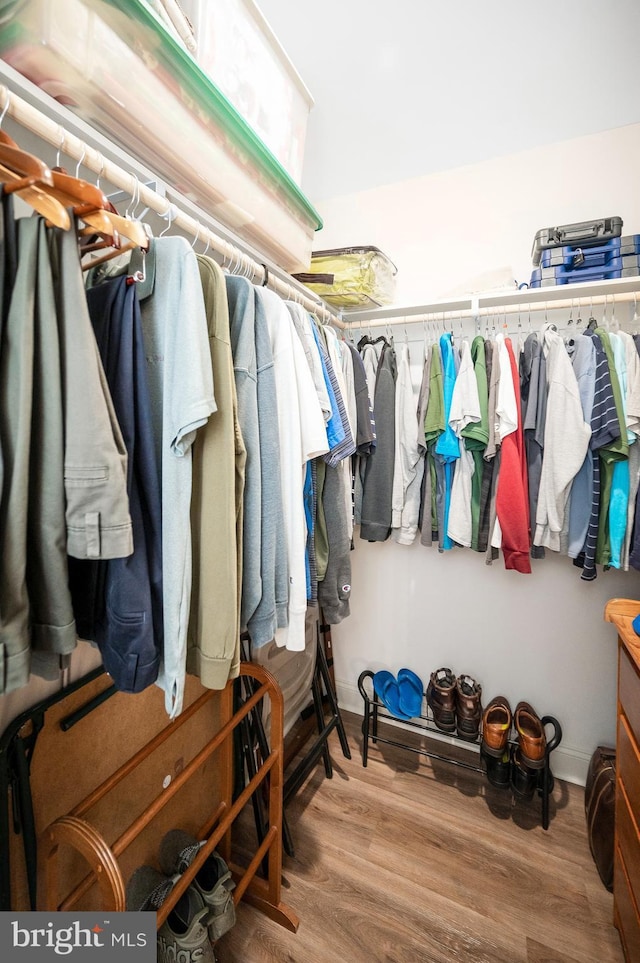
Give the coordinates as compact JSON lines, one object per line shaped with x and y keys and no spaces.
{"x":566,"y":762}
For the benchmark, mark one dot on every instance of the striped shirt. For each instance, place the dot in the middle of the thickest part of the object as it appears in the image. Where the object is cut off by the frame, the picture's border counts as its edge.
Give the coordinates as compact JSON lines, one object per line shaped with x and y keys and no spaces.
{"x":605,"y":428}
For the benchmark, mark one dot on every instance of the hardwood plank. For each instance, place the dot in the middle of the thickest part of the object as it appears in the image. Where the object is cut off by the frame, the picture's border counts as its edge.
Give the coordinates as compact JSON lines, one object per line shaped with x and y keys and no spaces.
{"x":411,"y":861}
{"x":539,"y":953}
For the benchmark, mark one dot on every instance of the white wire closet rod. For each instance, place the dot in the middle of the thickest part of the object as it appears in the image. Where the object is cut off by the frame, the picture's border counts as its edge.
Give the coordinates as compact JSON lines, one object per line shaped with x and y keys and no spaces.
{"x":580,"y":298}
{"x":236,"y":260}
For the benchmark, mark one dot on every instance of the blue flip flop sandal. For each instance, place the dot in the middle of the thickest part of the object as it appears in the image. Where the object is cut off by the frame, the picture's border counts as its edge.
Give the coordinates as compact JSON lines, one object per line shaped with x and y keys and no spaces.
{"x":388,"y":691}
{"x":411,"y":691}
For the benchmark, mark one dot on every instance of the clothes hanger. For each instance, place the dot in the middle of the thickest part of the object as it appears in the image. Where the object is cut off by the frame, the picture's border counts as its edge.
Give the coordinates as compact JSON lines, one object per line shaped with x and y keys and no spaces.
{"x":50,"y":208}
{"x":24,"y":173}
{"x":367,"y":339}
{"x":128,"y":225}
{"x":68,"y":191}
{"x":28,"y":168}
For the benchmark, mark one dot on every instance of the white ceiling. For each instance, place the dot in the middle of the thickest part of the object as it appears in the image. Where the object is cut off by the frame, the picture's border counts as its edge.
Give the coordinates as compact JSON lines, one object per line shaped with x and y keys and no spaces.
{"x":410,"y":87}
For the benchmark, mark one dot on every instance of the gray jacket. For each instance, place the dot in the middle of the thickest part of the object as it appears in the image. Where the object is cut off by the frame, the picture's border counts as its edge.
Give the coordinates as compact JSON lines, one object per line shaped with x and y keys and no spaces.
{"x":375,"y":525}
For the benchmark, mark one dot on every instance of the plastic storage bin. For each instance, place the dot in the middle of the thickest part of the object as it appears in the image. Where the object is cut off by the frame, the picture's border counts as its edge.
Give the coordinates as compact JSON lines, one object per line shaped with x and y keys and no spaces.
{"x":115,"y":64}
{"x":351,"y":277}
{"x":237,"y":48}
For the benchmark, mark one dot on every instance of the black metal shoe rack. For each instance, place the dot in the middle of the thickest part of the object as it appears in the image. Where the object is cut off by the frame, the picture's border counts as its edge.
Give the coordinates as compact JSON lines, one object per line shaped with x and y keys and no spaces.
{"x":375,"y":711}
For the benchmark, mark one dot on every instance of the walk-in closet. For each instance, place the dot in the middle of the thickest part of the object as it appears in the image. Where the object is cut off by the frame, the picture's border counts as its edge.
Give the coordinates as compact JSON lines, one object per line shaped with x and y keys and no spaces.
{"x":319,"y":481}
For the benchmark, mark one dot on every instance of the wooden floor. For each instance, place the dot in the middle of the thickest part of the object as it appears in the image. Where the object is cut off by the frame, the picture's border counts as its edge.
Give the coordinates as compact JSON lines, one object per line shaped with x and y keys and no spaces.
{"x":413,"y":860}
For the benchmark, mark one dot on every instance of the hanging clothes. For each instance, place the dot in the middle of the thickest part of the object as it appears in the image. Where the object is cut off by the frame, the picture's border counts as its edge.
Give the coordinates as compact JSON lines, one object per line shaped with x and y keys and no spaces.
{"x":97,"y":507}
{"x":616,"y":451}
{"x":633,"y":424}
{"x":369,"y":366}
{"x":408,"y":463}
{"x":581,"y":497}
{"x":175,"y":332}
{"x":333,"y":502}
{"x":605,"y":429}
{"x":334,"y":591}
{"x":343,"y":367}
{"x":424,"y":516}
{"x":302,"y":436}
{"x":433,"y":427}
{"x":620,"y":482}
{"x":118,"y":603}
{"x":566,"y":440}
{"x":241,"y":306}
{"x":492,"y":453}
{"x":304,"y":329}
{"x":447,"y":447}
{"x":219,"y":455}
{"x":365,"y":421}
{"x":465,"y":410}
{"x":512,"y":496}
{"x":533,"y":386}
{"x":377,"y":493}
{"x":36,"y":614}
{"x":476,"y":435}
{"x":272,"y":610}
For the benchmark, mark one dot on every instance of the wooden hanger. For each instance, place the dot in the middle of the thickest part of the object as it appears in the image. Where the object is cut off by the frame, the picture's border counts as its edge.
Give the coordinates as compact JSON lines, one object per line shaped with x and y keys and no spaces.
{"x":96,"y":209}
{"x":27,"y":175}
{"x":51,"y":209}
{"x":108,"y":257}
{"x":50,"y":192}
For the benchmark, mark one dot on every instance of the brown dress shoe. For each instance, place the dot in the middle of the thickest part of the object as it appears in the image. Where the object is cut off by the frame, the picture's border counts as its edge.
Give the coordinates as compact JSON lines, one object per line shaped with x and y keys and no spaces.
{"x":468,"y":707}
{"x":496,"y":725}
{"x":441,"y":699}
{"x":531,"y":736}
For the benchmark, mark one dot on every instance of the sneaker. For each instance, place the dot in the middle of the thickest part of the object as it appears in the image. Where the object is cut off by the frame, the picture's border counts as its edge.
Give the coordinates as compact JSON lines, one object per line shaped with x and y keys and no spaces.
{"x":212,"y":881}
{"x":441,"y":699}
{"x":183,"y":935}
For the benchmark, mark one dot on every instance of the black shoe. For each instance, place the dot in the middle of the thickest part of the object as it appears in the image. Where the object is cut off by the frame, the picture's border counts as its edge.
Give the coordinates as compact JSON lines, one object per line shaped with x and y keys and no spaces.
{"x":524,"y":781}
{"x":498,"y":769}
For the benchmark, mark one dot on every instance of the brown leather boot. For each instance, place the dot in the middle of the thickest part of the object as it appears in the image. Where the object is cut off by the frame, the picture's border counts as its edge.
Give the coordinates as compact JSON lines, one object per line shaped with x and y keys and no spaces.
{"x":468,"y":707}
{"x":441,"y":699}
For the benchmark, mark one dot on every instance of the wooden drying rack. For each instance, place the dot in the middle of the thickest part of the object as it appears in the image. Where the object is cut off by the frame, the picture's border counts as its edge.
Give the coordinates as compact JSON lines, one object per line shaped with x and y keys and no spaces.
{"x":75,"y":831}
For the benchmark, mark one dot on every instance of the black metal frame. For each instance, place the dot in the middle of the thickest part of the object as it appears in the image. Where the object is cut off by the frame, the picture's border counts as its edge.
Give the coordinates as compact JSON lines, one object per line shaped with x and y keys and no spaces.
{"x":373,"y":714}
{"x":16,"y":752}
{"x":321,"y":679}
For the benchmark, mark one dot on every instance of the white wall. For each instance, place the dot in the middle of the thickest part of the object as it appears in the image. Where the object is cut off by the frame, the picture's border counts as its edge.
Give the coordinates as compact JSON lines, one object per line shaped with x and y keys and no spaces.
{"x":538,"y":637}
{"x":444,"y":229}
